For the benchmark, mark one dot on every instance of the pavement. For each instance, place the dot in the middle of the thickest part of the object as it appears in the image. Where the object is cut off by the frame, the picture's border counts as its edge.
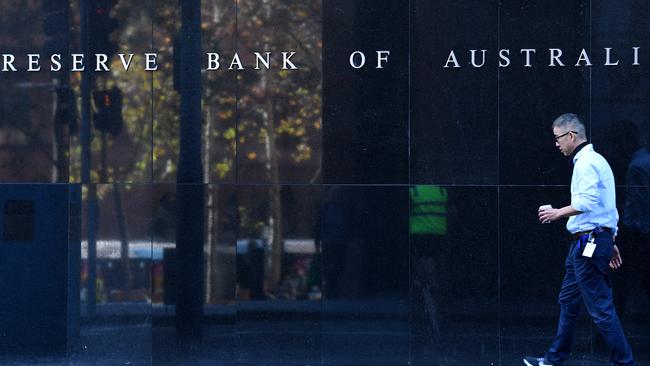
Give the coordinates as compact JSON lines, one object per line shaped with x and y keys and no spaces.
{"x":355,"y":333}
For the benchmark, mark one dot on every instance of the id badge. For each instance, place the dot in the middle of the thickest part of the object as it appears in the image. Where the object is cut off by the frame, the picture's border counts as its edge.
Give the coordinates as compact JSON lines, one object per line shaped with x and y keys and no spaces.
{"x":589,"y":249}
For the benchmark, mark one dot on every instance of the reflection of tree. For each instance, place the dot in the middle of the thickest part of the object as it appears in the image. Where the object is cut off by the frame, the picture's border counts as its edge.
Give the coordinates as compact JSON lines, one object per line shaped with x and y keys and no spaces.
{"x":270,"y":118}
{"x":281,"y":110}
{"x":261,"y":118}
{"x":278,"y":110}
{"x":267,"y":119}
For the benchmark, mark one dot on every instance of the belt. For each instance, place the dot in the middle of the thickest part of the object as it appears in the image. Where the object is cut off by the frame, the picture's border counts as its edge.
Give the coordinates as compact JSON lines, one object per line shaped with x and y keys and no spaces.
{"x":597,"y":230}
{"x":577,"y":235}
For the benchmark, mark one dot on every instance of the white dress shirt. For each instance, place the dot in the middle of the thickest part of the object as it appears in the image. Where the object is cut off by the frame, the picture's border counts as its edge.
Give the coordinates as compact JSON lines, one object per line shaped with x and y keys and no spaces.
{"x":593,"y":192}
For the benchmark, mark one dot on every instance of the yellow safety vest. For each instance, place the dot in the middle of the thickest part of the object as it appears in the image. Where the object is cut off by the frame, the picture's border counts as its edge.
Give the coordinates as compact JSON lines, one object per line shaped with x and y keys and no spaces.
{"x":428,"y":210}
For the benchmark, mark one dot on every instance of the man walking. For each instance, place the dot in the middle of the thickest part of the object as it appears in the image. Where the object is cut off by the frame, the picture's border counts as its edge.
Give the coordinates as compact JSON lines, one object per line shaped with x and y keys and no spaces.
{"x":592,"y":223}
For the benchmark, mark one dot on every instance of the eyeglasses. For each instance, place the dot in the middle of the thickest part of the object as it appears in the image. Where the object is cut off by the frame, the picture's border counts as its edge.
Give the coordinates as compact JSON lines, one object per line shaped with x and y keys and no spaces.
{"x":557,"y":138}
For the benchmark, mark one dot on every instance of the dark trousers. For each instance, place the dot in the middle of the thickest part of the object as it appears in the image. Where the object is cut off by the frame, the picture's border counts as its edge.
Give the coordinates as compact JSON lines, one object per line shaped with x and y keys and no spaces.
{"x":586,"y":281}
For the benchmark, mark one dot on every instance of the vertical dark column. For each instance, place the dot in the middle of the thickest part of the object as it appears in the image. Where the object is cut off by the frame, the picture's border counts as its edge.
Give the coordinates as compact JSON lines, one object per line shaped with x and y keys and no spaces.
{"x":74,"y":261}
{"x":189,"y":164}
{"x":365,"y":110}
{"x":189,"y":237}
{"x":86,"y":85}
{"x":86,"y":136}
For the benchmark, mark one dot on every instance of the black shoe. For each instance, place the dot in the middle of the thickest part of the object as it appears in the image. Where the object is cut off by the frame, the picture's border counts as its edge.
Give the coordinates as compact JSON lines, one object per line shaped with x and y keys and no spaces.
{"x":536,"y":361}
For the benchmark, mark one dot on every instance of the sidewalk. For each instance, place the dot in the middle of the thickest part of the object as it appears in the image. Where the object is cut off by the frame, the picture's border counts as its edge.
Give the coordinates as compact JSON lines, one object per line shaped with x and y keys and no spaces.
{"x":356,"y":333}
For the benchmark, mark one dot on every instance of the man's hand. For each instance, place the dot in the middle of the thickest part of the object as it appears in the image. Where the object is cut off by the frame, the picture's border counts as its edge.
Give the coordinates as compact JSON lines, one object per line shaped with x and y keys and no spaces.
{"x":616,"y":261}
{"x":547,"y":215}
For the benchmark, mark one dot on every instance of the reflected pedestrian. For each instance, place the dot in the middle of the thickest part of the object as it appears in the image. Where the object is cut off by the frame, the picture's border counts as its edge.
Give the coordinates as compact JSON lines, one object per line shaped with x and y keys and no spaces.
{"x":636,"y":223}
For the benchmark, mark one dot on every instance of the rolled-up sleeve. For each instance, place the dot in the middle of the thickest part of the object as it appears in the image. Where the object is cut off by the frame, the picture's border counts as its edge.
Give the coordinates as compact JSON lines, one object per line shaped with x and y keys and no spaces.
{"x":585,"y":196}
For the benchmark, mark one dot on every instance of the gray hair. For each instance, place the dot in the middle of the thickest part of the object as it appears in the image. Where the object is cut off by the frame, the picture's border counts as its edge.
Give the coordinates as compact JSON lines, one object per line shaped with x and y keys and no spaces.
{"x":571,"y":122}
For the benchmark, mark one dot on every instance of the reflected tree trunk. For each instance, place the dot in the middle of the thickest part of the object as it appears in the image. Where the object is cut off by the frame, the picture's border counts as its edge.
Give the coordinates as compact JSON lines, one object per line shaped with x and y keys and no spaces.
{"x":274,"y":191}
{"x":272,"y":166}
{"x":61,"y":142}
{"x":124,"y":239}
{"x":213,"y":241}
{"x":212,"y":219}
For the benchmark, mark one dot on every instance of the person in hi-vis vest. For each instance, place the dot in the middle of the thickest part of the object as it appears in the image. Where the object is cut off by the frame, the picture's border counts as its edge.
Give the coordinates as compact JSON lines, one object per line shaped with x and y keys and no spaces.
{"x":428,"y":229}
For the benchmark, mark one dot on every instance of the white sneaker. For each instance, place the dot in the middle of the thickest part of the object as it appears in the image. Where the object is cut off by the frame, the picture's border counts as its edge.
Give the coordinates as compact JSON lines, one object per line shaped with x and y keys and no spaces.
{"x":536,"y":361}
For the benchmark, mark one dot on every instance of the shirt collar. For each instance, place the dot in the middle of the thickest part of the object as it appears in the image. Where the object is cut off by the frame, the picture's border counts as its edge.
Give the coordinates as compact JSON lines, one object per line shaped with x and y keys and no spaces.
{"x":577,"y":153}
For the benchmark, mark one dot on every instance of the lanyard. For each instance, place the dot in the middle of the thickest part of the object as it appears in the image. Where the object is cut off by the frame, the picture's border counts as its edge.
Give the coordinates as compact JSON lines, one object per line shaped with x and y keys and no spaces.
{"x":582,"y":240}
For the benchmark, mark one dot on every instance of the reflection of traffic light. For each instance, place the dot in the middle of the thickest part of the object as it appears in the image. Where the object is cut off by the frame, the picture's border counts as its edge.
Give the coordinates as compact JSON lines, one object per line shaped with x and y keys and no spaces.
{"x":101,"y":25}
{"x":108,"y":117}
{"x":66,"y":109}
